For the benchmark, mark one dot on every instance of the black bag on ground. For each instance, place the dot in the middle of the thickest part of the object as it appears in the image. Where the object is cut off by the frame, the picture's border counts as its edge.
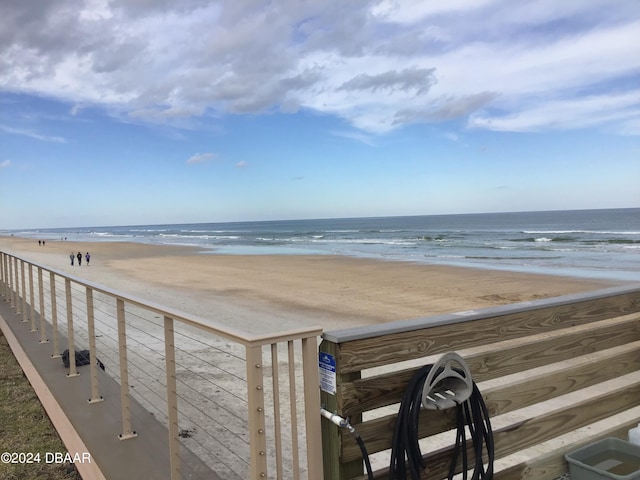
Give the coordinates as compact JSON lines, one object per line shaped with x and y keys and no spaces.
{"x":83,"y":357}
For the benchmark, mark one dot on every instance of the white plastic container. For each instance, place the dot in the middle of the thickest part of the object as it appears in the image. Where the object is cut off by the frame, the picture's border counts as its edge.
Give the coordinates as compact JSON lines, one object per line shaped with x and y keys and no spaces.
{"x":634,"y":435}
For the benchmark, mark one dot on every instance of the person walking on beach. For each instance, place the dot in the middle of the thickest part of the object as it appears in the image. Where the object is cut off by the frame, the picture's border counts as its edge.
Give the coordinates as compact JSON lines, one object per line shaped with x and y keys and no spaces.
{"x":79,"y":258}
{"x":72,"y":256}
{"x":87,"y":257}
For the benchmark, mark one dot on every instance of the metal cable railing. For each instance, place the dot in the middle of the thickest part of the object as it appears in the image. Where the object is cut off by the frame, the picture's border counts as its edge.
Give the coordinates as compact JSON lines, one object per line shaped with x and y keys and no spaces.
{"x":245,"y":404}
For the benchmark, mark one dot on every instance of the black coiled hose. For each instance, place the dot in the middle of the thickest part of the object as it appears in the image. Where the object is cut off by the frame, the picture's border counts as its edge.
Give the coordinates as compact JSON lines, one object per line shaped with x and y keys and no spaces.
{"x":405,"y":450}
{"x":365,"y":455}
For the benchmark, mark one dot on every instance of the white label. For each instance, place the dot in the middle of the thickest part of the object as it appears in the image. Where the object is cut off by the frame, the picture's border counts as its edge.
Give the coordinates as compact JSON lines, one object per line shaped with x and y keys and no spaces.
{"x":327,"y":366}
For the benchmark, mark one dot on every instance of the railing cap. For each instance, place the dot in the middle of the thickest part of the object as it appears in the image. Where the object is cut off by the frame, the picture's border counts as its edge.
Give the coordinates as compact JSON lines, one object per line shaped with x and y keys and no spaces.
{"x":245,"y":338}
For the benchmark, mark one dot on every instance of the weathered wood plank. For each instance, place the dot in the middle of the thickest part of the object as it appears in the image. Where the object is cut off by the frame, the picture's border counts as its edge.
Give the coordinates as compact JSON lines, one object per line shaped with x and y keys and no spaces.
{"x":552,"y":464}
{"x":549,"y":465}
{"x":539,"y":350}
{"x":378,"y":434}
{"x":529,"y":390}
{"x":503,"y":359}
{"x":541,"y":428}
{"x":479,"y":330}
{"x":553,"y":424}
{"x":522,"y":393}
{"x":498,"y":342}
{"x":333,"y":466}
{"x":330,"y":440}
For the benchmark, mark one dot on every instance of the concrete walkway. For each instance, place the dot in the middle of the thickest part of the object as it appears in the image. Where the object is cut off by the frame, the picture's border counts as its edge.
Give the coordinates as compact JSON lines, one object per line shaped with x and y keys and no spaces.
{"x":90,"y":431}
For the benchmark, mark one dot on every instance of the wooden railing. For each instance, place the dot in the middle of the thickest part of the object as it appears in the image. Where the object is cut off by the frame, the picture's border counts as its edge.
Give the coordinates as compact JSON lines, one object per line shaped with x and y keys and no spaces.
{"x":548,"y":371}
{"x":65,"y":311}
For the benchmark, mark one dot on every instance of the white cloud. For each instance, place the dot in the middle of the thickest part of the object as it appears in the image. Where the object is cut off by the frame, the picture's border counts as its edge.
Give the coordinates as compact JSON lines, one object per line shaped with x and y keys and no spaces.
{"x":631,"y":127}
{"x":355,"y":135}
{"x":378,"y":66}
{"x":412,"y":11}
{"x":567,"y":114}
{"x":5,"y":163}
{"x":454,"y":137}
{"x":32,"y":134}
{"x":201,"y":158}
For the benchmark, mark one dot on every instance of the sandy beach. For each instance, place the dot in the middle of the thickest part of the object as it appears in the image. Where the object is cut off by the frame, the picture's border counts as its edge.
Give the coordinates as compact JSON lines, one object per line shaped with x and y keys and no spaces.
{"x":272,"y":292}
{"x":261,"y":294}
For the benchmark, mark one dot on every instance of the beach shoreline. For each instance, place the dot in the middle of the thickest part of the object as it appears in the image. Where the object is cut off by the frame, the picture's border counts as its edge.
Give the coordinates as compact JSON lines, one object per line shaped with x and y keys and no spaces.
{"x":273,"y":292}
{"x":261,"y":294}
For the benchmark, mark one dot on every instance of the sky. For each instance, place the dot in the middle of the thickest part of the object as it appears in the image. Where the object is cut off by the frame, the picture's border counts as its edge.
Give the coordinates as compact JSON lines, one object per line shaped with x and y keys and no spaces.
{"x":132,"y":112}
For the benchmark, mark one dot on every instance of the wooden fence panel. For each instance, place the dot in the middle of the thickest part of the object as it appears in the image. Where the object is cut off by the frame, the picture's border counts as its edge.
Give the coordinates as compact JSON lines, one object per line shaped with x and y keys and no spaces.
{"x":536,"y":358}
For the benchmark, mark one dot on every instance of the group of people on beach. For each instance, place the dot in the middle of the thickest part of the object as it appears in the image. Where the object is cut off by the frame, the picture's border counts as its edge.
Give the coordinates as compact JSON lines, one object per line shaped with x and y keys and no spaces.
{"x":79,"y":257}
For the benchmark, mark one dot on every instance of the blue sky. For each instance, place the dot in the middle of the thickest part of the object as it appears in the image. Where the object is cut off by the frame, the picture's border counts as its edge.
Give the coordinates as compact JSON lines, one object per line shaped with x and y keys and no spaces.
{"x":136,"y":112}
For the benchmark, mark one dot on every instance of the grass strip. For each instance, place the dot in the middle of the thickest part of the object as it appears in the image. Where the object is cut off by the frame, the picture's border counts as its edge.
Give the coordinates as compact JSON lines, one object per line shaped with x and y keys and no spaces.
{"x":25,"y":428}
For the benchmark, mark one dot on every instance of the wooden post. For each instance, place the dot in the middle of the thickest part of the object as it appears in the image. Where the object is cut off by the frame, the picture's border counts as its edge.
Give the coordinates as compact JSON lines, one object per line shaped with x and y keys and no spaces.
{"x":73,"y":372}
{"x":23,"y":281}
{"x":16,"y":289}
{"x":3,"y":274}
{"x":43,"y":330}
{"x":54,"y":316}
{"x":312,"y":407}
{"x":275,"y":382}
{"x":255,"y":396}
{"x":334,"y":469}
{"x":7,"y":277}
{"x":127,"y":431}
{"x":172,"y":398}
{"x":93,"y":366}
{"x":32,"y":306}
{"x":13,"y":268}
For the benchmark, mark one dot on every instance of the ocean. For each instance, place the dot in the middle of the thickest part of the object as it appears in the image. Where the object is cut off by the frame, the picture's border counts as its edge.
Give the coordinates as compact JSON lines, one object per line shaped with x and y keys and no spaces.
{"x":585,"y":243}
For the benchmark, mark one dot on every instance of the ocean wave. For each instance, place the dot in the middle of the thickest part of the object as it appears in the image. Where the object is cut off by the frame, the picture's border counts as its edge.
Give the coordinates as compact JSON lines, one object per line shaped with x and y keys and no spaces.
{"x":437,"y":238}
{"x":565,"y":232}
{"x":622,"y":241}
{"x":202,"y":237}
{"x":480,"y":257}
{"x":544,"y":239}
{"x":363,"y":241}
{"x":530,"y":241}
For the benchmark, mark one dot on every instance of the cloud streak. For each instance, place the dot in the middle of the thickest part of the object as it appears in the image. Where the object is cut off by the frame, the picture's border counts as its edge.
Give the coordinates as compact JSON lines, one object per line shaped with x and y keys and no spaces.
{"x":379,"y":65}
{"x":201,"y":158}
{"x":32,"y":134}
